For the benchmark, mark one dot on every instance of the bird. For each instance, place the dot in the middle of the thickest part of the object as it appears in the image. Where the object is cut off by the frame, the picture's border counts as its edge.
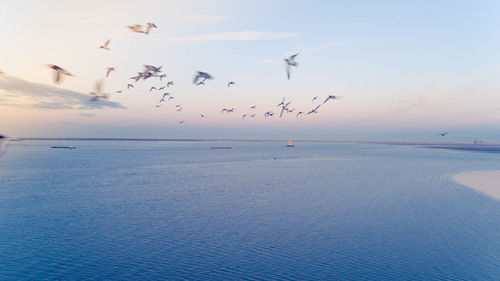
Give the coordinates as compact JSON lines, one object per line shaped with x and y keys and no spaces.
{"x":137,"y":78}
{"x":59,"y":72}
{"x":136,"y":28}
{"x":150,"y":25}
{"x":315,"y":110}
{"x":253,"y":107}
{"x":152,"y":88}
{"x":298,"y":113}
{"x":170,"y":98}
{"x":330,"y":97}
{"x":268,"y":114}
{"x":119,"y":91}
{"x":243,"y":116}
{"x":162,"y":76}
{"x":282,"y":102}
{"x":285,"y":108}
{"x":130,"y":86}
{"x":181,"y":122}
{"x":180,"y":109}
{"x":158,"y":105}
{"x":253,"y":115}
{"x":149,"y":68}
{"x":290,"y":61}
{"x":106,"y":45}
{"x":170,"y":83}
{"x":315,"y":98}
{"x":202,"y":115}
{"x":201,"y":74}
{"x":165,"y":95}
{"x":442,"y":134}
{"x":201,"y":83}
{"x":231,"y":83}
{"x":161,"y":88}
{"x":109,"y":70}
{"x":177,"y":105}
{"x":98,"y":94}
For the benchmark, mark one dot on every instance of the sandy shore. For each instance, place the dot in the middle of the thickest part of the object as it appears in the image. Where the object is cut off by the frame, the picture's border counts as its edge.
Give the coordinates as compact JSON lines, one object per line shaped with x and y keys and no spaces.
{"x":485,"y":181}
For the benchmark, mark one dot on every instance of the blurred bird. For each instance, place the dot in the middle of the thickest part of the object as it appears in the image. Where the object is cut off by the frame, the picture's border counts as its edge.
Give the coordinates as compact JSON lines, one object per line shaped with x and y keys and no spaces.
{"x":243,"y":116}
{"x":109,"y":70}
{"x":136,"y":28}
{"x":331,"y":98}
{"x":106,"y":45}
{"x":298,"y":113}
{"x":253,"y":115}
{"x":253,"y":107}
{"x":231,"y":83}
{"x":282,"y":102}
{"x":152,"y":68}
{"x":202,"y":115}
{"x":180,"y":109}
{"x":290,"y":61}
{"x":152,"y":88}
{"x":201,"y":74}
{"x":119,"y":91}
{"x":442,"y":134}
{"x":315,"y":110}
{"x":169,"y":83}
{"x":130,"y":86}
{"x":162,"y":76}
{"x":58,"y":73}
{"x":181,"y":122}
{"x":150,"y":25}
{"x":315,"y":98}
{"x":98,"y":94}
{"x":177,"y":105}
{"x":170,"y":98}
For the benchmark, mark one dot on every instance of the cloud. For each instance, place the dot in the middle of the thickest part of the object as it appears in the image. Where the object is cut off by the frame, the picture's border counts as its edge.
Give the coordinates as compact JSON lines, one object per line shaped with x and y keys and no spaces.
{"x":321,"y":47}
{"x":87,"y":114}
{"x":234,"y":36}
{"x":16,"y":92}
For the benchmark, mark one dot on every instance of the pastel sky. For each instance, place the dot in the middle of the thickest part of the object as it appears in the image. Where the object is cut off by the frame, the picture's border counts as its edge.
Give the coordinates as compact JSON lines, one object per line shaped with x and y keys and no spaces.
{"x":404,"y":69}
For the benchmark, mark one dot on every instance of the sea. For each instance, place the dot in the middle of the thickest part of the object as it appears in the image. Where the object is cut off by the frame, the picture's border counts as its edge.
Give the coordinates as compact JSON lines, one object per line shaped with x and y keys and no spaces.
{"x":179,"y":210}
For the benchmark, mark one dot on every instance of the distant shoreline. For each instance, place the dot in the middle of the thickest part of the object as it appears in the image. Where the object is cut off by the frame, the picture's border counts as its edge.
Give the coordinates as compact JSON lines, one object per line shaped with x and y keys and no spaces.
{"x":487,"y":182}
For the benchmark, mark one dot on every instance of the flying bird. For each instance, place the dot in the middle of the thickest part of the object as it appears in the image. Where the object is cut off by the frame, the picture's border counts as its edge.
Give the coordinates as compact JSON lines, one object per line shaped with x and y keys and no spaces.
{"x":253,"y":107}
{"x":331,"y":98}
{"x":231,"y":83}
{"x":170,"y":98}
{"x":282,"y":102}
{"x":315,"y":110}
{"x":290,"y":61}
{"x":130,"y":86}
{"x":243,"y":116}
{"x":98,"y":94}
{"x":253,"y":115}
{"x":152,"y":68}
{"x":58,"y":73}
{"x":442,"y":134}
{"x":203,"y":75}
{"x":162,"y":76}
{"x":109,"y":70}
{"x":152,"y":88}
{"x":136,"y":28}
{"x":181,"y":122}
{"x":298,"y":113}
{"x":180,"y":109}
{"x":202,"y":115}
{"x":150,"y":25}
{"x":315,"y":98}
{"x":177,"y":105}
{"x":169,"y":83}
{"x":119,"y":91}
{"x":106,"y":45}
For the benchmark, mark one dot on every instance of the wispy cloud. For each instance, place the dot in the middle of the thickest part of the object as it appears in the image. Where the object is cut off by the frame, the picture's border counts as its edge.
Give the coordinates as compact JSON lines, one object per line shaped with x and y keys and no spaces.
{"x":16,"y":92}
{"x":234,"y":36}
{"x":321,"y":47}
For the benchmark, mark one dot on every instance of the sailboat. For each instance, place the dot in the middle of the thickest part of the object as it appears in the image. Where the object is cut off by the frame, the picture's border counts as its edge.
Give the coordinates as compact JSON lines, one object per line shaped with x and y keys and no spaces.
{"x":290,"y":143}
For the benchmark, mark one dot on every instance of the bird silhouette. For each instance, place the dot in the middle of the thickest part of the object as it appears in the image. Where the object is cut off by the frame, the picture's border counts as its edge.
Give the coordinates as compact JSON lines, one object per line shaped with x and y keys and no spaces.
{"x":106,"y":45}
{"x":59,"y":73}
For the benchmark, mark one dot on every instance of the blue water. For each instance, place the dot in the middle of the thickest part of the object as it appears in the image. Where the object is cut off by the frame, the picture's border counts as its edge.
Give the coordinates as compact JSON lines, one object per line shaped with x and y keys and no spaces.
{"x":116,"y":210}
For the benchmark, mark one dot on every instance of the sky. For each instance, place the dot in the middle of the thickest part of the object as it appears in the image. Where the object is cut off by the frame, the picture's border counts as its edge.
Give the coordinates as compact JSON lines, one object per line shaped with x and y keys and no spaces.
{"x":405,"y":70}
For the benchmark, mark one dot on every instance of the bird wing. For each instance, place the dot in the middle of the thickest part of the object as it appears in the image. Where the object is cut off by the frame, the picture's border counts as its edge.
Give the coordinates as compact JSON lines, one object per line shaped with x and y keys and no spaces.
{"x":288,"y":71}
{"x":196,"y":78}
{"x":57,"y":77}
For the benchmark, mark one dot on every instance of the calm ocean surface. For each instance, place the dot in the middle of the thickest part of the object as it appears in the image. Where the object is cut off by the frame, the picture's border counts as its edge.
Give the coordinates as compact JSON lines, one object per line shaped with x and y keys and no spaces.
{"x":118,"y":210}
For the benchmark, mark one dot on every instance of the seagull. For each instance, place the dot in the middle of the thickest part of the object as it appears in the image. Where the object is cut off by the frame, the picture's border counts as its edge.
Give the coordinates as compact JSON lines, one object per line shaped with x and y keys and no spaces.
{"x":150,"y":25}
{"x":165,"y":94}
{"x":158,"y":105}
{"x":330,"y":97}
{"x":269,"y":113}
{"x":231,"y":83}
{"x":290,"y":61}
{"x":282,"y":102}
{"x":152,"y":88}
{"x":285,"y":108}
{"x":161,"y":88}
{"x":152,"y":68}
{"x":177,"y":105}
{"x":315,"y":110}
{"x":170,"y":83}
{"x":298,"y":113}
{"x":253,"y":107}
{"x":243,"y":116}
{"x":442,"y":134}
{"x":180,"y":109}
{"x":315,"y":98}
{"x":98,"y":94}
{"x":119,"y":91}
{"x":170,"y":98}
{"x":181,"y":122}
{"x":137,"y":78}
{"x":202,"y":115}
{"x":58,"y":73}
{"x":106,"y":44}
{"x":130,"y":86}
{"x":110,"y":69}
{"x":253,"y":115}
{"x":201,"y":74}
{"x":162,"y":76}
{"x":201,"y":83}
{"x":136,"y":28}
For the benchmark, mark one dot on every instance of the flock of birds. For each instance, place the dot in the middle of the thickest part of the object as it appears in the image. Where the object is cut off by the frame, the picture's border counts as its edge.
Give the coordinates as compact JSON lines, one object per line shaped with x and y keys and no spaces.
{"x":200,"y":77}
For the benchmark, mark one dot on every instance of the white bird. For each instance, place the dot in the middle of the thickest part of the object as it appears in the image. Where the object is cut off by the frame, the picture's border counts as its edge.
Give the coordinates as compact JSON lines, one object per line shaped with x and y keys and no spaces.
{"x":58,"y":73}
{"x":181,"y":122}
{"x":290,"y":61}
{"x":130,"y":86}
{"x":106,"y":45}
{"x":201,"y":74}
{"x":243,"y":116}
{"x":170,"y":83}
{"x":136,"y":28}
{"x":315,"y":98}
{"x":231,"y":83}
{"x":315,"y":110}
{"x":253,"y":107}
{"x":150,"y":25}
{"x":98,"y":94}
{"x":442,"y":134}
{"x":298,"y":113}
{"x":109,"y":70}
